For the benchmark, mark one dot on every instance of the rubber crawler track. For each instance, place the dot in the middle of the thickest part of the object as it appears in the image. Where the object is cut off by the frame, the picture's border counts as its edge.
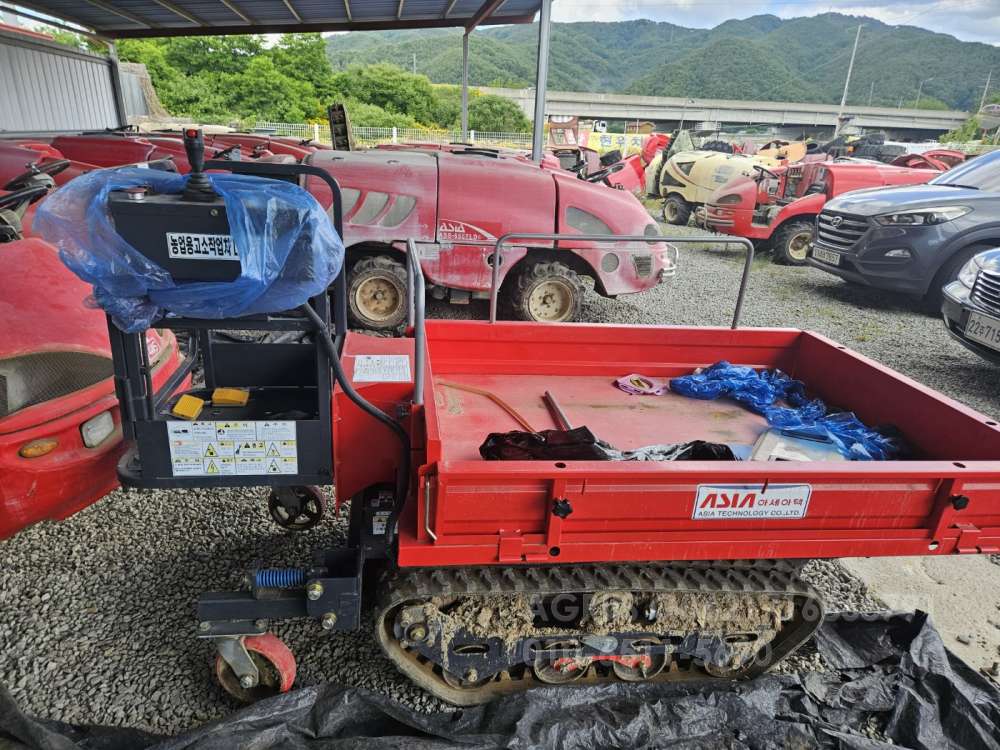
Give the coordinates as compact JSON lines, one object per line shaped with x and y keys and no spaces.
{"x":409,"y":586}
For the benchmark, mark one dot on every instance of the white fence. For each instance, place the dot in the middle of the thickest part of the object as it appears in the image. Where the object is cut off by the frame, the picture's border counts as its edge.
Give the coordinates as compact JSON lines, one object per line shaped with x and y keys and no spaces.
{"x":366,"y":136}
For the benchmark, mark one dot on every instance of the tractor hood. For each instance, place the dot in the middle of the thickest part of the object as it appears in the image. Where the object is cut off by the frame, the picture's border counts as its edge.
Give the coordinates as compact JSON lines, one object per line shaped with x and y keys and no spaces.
{"x":62,"y":322}
{"x":880,"y":201}
{"x":387,"y":195}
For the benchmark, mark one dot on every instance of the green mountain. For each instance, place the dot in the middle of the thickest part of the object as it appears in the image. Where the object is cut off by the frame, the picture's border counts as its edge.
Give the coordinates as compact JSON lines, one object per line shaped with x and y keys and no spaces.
{"x":763,"y":57}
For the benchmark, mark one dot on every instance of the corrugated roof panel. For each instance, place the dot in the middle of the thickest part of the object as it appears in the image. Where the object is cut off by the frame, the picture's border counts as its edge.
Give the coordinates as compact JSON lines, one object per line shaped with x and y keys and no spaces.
{"x":213,"y":16}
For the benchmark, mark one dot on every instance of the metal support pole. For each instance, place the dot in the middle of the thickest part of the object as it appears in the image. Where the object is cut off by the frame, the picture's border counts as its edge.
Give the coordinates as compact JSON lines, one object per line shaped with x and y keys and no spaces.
{"x":541,"y":80}
{"x":116,"y":86}
{"x":465,"y":87}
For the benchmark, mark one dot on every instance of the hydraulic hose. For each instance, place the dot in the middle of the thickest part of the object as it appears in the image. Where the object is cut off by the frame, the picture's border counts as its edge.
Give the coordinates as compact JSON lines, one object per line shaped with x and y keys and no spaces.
{"x":403,"y":472}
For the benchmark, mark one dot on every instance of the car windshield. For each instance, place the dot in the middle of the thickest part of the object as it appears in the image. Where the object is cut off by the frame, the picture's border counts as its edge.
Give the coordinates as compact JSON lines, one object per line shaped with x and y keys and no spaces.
{"x":979,"y":174}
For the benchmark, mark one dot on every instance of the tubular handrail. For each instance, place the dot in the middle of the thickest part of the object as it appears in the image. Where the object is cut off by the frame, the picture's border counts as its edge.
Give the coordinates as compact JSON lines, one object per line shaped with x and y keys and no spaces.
{"x":415,"y":290}
{"x":746,"y":244}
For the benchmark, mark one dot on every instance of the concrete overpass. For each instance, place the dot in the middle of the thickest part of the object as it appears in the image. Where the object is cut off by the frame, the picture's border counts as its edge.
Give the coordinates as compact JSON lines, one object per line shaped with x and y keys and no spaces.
{"x":664,"y":109}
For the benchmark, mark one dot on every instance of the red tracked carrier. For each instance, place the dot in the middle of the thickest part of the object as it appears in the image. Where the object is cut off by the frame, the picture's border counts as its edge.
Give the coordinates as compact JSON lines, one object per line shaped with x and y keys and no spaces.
{"x":517,"y":573}
{"x":467,"y":511}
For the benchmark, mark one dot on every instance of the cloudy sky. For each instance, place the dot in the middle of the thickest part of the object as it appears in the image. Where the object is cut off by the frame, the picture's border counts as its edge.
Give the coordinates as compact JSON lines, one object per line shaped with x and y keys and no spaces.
{"x":970,"y":20}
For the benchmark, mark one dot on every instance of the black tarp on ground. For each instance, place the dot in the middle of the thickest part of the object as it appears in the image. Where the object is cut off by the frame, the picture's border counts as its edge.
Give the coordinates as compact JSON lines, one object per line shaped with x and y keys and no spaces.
{"x":892,"y":672}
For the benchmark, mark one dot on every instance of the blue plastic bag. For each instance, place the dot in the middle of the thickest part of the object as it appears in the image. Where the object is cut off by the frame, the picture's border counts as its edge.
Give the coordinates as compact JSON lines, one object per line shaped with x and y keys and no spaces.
{"x":289,"y":250}
{"x":761,"y":390}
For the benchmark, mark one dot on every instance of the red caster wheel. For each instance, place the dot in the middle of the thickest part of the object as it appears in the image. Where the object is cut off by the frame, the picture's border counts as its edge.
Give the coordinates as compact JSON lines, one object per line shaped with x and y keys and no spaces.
{"x":275,"y":666}
{"x":296,"y":508}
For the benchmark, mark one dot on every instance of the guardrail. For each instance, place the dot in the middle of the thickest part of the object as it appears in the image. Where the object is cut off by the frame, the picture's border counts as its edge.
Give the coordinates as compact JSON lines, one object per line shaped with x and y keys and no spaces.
{"x":372,"y":136}
{"x":497,"y":260}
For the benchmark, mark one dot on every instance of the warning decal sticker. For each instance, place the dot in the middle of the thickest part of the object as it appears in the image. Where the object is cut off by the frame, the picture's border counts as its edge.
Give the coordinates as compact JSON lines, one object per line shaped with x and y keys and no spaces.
{"x":382,"y":368}
{"x":735,"y":502}
{"x":208,"y":449}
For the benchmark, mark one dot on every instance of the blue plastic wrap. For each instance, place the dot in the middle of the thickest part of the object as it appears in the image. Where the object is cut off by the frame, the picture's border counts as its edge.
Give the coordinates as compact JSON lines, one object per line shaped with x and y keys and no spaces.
{"x":761,"y":390}
{"x":289,"y":250}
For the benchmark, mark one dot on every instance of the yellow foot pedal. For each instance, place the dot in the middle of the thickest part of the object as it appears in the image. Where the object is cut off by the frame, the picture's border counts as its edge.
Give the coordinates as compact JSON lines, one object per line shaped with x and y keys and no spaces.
{"x":230,"y":397}
{"x":188,"y":407}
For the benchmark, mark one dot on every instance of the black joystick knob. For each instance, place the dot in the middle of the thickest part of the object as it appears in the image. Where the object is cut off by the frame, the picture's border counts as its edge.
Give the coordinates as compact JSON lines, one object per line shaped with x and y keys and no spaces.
{"x":199,"y":187}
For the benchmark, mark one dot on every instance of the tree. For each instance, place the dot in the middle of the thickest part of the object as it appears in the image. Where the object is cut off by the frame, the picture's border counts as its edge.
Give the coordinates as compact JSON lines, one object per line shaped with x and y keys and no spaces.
{"x":77,"y":41}
{"x":303,"y":57}
{"x":191,"y":55}
{"x":967,"y":131}
{"x":373,"y":116}
{"x":389,"y":87}
{"x":446,"y":107}
{"x":488,"y":112}
{"x":263,"y":91}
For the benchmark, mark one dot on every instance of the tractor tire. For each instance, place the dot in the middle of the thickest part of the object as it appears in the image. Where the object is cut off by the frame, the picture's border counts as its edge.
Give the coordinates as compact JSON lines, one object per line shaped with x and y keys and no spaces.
{"x":546,"y":292}
{"x":376,"y":293}
{"x":676,"y":210}
{"x":790,"y":243}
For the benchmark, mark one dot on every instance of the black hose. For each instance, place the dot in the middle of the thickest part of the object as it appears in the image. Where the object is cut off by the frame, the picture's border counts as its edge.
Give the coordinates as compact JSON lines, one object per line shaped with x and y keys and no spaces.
{"x":403,"y":472}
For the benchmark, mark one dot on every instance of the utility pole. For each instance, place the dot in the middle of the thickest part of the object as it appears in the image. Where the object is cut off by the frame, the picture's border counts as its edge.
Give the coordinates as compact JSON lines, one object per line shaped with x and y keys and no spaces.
{"x":920,"y":88}
{"x":847,"y":83}
{"x":414,"y":62}
{"x":871,"y":93}
{"x":986,"y":91}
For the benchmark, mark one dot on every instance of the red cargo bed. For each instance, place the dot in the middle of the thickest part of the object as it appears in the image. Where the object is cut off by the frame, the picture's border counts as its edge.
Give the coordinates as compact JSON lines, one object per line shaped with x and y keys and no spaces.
{"x":469,"y":511}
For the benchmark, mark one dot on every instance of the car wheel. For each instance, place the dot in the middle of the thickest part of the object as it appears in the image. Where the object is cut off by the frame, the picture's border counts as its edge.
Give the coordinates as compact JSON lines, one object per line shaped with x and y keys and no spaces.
{"x":676,"y":210}
{"x":791,"y":243}
{"x":376,"y":293}
{"x":947,"y":274}
{"x":547,"y":293}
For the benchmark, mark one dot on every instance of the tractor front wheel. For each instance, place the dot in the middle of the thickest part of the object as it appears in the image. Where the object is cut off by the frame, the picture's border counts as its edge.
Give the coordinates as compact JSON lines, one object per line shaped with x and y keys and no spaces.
{"x":791,"y":243}
{"x":676,"y":210}
{"x":376,"y":293}
{"x":546,"y":293}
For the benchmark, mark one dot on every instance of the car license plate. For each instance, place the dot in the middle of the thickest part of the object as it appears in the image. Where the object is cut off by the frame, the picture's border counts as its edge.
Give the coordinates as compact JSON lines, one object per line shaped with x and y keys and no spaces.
{"x":826,"y":256}
{"x":984,"y":330}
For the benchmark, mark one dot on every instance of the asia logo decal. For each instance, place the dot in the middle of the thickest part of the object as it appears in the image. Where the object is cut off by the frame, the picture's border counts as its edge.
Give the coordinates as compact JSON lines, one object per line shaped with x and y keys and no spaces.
{"x":736,"y":502}
{"x":459,"y":231}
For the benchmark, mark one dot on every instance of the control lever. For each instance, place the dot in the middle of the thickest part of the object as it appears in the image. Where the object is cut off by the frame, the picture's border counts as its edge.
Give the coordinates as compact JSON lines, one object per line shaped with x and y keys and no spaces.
{"x":199,"y":187}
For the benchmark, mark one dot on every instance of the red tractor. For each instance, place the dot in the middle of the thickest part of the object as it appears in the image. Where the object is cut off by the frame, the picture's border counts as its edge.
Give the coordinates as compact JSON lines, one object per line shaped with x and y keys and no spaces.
{"x":437,"y":198}
{"x":778,"y":207}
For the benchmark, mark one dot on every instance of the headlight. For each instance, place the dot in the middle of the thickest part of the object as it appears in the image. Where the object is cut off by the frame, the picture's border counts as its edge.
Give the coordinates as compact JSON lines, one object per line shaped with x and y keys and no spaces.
{"x":967,"y":276}
{"x":729,"y":200}
{"x":922,"y":216}
{"x":97,"y":429}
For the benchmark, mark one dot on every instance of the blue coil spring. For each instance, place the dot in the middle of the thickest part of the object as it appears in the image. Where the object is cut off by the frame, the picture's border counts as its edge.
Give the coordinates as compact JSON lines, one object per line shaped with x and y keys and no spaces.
{"x":280,"y":578}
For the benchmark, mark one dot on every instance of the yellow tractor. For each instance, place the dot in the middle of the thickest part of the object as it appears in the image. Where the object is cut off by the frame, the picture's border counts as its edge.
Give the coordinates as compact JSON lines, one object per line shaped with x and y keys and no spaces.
{"x":686,"y":177}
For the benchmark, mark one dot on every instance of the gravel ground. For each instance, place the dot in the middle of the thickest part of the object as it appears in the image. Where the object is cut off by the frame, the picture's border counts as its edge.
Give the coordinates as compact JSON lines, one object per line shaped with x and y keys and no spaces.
{"x":97,"y":611}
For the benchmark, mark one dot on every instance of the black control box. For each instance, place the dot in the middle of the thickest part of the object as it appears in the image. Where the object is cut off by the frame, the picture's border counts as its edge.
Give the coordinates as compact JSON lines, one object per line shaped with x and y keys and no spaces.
{"x":187,"y":235}
{"x":191,"y":240}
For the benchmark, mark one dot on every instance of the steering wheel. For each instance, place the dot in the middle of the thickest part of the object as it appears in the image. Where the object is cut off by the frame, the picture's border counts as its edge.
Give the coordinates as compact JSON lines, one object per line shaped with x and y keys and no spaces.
{"x":226,"y":152}
{"x":53,"y":167}
{"x":28,"y":194}
{"x":603,"y":174}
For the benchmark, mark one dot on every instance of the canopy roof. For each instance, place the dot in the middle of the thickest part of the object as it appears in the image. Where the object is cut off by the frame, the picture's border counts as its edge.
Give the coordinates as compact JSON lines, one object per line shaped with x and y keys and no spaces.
{"x":125,"y":19}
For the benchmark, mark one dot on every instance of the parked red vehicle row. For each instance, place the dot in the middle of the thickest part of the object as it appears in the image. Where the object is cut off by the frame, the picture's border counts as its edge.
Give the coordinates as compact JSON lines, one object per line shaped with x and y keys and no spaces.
{"x":60,"y":430}
{"x":778,"y":207}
